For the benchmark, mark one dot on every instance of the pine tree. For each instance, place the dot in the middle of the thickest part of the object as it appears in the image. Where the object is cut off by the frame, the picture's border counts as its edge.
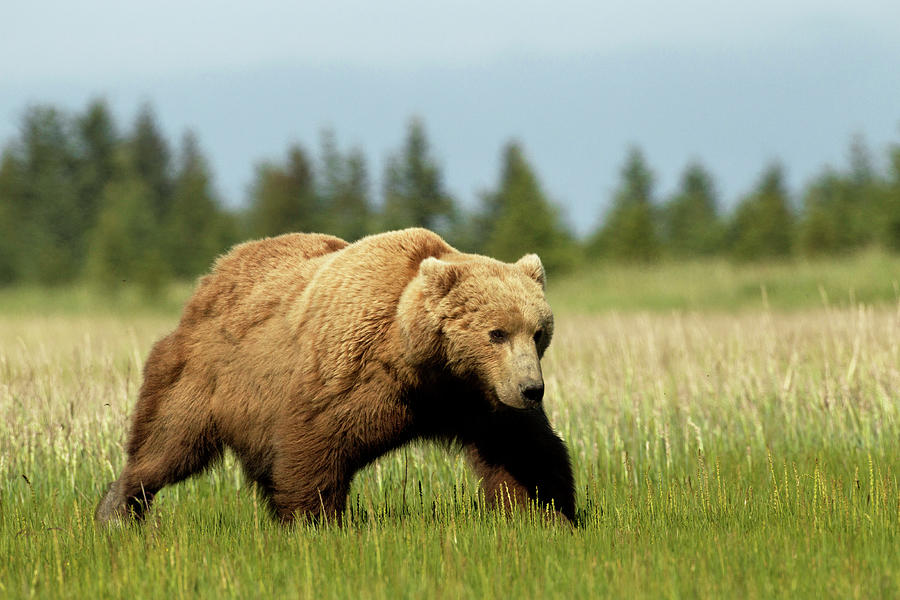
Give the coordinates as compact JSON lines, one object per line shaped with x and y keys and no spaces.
{"x":152,"y":161}
{"x":97,"y":142}
{"x":894,"y":164}
{"x":414,"y":194}
{"x":861,"y":200}
{"x":352,"y":204}
{"x":344,"y":191}
{"x":629,"y":232}
{"x":12,"y":205}
{"x":519,"y":219}
{"x":51,"y":218}
{"x":889,"y":230}
{"x":862,"y":171}
{"x":330,"y":175}
{"x":826,"y":223}
{"x":691,"y":222}
{"x":849,"y":210}
{"x":124,"y":245}
{"x":763,"y":224}
{"x":284,"y":199}
{"x":197,"y":228}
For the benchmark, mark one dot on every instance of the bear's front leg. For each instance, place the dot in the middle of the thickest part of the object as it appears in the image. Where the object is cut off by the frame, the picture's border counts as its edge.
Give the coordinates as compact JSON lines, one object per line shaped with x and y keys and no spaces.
{"x":520,"y":459}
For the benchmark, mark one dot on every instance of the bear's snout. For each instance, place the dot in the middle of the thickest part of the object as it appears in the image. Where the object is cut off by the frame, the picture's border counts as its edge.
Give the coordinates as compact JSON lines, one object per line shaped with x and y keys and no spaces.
{"x":532,"y":392}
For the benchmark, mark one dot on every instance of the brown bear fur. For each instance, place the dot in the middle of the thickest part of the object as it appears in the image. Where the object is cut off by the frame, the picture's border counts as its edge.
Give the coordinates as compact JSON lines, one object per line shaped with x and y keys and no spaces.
{"x":310,"y":358}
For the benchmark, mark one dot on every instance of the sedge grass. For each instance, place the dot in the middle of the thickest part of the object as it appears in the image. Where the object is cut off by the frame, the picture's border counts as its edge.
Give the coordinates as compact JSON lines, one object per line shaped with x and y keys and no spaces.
{"x":870,"y":277}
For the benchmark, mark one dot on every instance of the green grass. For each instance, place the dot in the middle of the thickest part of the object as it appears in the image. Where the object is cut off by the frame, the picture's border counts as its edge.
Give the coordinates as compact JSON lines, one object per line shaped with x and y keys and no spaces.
{"x":724,"y":446}
{"x":719,"y":284}
{"x":80,"y":299}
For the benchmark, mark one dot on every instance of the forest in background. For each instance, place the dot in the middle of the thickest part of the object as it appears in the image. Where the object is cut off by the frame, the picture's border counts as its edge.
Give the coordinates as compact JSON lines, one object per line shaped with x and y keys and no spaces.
{"x":82,"y":199}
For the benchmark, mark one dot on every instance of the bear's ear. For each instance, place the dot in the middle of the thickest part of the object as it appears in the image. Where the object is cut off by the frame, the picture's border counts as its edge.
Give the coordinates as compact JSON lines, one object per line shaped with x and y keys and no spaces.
{"x":440,"y":276}
{"x":532,"y":266}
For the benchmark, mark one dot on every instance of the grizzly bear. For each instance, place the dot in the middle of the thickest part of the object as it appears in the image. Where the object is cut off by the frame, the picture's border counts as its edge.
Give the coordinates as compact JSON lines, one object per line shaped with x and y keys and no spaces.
{"x":310,"y":357}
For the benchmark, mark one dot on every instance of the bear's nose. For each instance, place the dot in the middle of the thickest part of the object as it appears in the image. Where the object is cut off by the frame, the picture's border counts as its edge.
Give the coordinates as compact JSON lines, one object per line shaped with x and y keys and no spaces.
{"x":533,"y":392}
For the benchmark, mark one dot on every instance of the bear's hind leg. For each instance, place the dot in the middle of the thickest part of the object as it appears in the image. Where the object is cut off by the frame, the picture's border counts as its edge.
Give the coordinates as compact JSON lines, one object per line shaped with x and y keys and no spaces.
{"x":172,"y":437}
{"x":169,"y":454}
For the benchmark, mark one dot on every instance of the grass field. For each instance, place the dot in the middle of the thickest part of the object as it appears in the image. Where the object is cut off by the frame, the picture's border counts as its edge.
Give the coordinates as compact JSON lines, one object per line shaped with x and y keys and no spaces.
{"x":739,"y":451}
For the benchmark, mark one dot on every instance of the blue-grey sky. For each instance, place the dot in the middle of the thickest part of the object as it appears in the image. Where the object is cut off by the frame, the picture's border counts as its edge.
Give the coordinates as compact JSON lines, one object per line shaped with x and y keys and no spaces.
{"x":576,"y":81}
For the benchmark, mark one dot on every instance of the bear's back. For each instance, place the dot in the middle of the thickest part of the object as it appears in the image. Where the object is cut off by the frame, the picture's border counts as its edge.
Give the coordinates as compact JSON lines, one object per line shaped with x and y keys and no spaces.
{"x":242,"y":280}
{"x":261,"y":256}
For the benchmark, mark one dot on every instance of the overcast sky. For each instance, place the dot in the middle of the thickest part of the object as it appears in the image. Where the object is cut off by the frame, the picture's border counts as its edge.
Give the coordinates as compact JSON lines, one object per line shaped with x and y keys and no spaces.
{"x":732,"y":85}
{"x":93,"y":40}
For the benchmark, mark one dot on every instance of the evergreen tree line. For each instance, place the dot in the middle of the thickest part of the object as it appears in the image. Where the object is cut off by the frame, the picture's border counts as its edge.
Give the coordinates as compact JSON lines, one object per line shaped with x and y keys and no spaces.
{"x":837,"y":212}
{"x":81,"y":199}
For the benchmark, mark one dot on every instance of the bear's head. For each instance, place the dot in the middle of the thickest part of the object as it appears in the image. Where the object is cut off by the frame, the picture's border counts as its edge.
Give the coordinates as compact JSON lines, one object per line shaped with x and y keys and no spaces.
{"x":482,"y":320}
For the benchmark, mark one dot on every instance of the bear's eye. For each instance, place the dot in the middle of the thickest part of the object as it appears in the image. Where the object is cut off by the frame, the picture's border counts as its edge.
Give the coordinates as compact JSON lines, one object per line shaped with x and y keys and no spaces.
{"x":498,"y":336}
